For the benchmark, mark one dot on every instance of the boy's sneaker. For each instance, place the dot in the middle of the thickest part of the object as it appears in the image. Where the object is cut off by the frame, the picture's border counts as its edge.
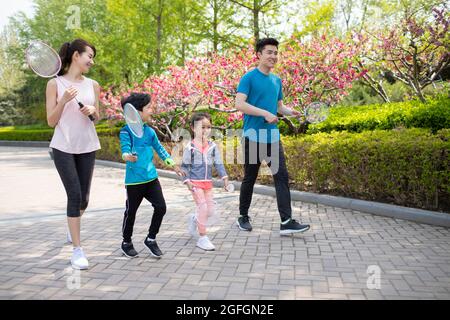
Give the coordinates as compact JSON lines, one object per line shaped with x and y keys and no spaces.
{"x":243,"y":223}
{"x":153,"y":247}
{"x":192,"y":226}
{"x":79,"y":260}
{"x":205,"y":244}
{"x":293,"y":226}
{"x":128,"y":250}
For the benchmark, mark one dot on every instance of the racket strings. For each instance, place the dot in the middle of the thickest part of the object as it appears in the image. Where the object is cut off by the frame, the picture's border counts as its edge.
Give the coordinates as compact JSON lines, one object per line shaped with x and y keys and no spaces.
{"x":316,"y":113}
{"x":43,"y":61}
{"x":134,"y":121}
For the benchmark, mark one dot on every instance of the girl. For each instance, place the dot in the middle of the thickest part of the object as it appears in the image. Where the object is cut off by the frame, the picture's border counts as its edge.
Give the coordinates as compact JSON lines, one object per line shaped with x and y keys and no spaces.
{"x":198,"y":158}
{"x":74,"y":140}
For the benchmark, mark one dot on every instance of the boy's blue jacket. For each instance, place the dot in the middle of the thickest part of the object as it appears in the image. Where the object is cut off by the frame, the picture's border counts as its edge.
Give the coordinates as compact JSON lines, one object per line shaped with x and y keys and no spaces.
{"x":143,"y":170}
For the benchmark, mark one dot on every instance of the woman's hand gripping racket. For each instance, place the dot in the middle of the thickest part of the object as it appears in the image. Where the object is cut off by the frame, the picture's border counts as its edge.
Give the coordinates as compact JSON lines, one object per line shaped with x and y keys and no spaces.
{"x":134,"y":122}
{"x":46,"y":63}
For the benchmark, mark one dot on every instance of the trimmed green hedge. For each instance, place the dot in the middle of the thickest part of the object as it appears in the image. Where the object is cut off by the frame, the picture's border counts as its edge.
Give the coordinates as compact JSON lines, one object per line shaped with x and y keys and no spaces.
{"x":27,"y":135}
{"x":434,"y":115}
{"x":12,"y":134}
{"x":407,"y":167}
{"x":110,"y":148}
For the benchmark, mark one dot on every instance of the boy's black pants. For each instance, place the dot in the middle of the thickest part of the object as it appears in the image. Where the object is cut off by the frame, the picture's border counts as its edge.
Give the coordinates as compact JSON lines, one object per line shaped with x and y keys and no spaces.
{"x":135,"y":194}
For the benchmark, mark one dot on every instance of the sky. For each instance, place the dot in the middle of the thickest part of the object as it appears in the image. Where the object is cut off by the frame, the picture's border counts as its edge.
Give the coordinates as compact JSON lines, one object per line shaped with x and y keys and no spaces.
{"x":9,"y":8}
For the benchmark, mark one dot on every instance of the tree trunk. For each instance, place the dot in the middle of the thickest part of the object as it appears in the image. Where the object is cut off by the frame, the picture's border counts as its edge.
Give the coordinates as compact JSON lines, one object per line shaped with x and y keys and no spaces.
{"x":159,"y":33}
{"x":416,"y":74}
{"x":215,"y":26}
{"x":183,"y":36}
{"x":127,"y":77}
{"x":363,"y":19}
{"x":183,"y":52}
{"x":256,"y":10}
{"x":371,"y":82}
{"x":347,"y":12}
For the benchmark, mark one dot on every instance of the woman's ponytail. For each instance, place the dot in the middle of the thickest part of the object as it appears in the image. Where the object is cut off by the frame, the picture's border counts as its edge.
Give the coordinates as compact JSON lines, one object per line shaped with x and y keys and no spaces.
{"x":66,"y":58}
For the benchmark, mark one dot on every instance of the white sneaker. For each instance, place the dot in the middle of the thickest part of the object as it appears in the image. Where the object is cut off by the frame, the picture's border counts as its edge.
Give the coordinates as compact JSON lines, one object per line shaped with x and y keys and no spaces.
{"x":79,"y":260}
{"x":192,"y":226}
{"x":205,"y":244}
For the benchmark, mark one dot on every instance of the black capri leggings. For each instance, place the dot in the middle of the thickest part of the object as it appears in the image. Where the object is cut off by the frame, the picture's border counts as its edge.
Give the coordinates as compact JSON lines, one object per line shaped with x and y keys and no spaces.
{"x":76,"y":172}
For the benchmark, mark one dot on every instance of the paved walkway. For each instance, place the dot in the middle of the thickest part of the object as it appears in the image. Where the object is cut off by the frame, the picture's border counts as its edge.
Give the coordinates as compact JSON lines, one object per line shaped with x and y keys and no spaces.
{"x":346,"y":254}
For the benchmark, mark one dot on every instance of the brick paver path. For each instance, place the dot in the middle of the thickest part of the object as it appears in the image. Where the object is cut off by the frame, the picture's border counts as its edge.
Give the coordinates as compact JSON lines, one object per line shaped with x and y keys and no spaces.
{"x":331,"y":261}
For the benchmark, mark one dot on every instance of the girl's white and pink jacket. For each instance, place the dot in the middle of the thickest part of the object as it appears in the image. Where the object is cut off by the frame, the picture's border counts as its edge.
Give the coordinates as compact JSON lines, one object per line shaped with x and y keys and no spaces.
{"x":198,"y":165}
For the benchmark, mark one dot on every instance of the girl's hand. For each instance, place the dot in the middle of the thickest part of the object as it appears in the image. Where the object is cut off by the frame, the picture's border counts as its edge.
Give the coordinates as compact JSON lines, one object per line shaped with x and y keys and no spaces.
{"x":179,"y":172}
{"x":69,"y":95}
{"x":88,"y":110}
{"x":190,"y":186}
{"x":130,"y":158}
{"x":225,"y":183}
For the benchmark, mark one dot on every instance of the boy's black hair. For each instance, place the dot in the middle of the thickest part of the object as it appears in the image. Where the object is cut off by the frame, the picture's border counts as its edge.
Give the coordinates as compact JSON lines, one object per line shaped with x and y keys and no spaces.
{"x":138,"y":100}
{"x":266,"y":42}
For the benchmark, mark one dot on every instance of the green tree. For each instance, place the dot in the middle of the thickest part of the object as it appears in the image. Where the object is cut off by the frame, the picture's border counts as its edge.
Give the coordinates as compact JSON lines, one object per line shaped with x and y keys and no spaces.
{"x":11,"y":74}
{"x":259,"y":8}
{"x":318,"y":19}
{"x":220,"y":27}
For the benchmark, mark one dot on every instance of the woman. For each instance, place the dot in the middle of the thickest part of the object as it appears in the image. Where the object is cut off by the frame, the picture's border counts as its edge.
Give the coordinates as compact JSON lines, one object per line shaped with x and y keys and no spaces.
{"x":75,"y":140}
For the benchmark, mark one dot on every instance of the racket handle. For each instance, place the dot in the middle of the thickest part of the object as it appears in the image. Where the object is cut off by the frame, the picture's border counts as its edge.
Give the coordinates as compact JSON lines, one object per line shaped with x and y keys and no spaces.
{"x":82,"y":106}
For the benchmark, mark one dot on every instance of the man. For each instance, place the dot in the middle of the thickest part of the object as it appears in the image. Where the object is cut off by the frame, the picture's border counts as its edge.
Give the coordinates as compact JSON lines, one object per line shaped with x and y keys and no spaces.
{"x":259,"y":97}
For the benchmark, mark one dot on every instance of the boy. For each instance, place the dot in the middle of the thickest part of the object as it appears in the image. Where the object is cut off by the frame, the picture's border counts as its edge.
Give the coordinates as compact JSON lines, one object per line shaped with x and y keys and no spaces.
{"x":141,"y":178}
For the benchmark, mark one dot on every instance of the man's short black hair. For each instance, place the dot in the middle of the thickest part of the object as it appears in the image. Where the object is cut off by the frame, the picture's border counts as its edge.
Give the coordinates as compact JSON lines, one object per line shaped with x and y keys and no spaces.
{"x":266,"y":42}
{"x":138,"y":100}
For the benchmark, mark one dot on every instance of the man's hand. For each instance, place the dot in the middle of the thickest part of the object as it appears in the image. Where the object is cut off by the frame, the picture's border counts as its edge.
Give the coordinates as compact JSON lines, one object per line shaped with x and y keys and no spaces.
{"x":296,"y":113}
{"x":270,"y":118}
